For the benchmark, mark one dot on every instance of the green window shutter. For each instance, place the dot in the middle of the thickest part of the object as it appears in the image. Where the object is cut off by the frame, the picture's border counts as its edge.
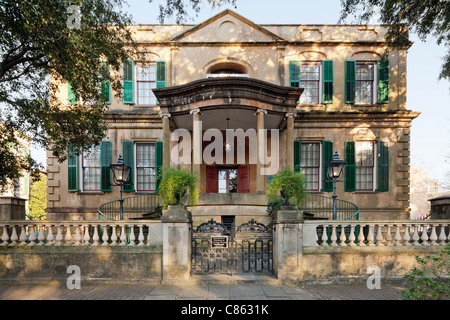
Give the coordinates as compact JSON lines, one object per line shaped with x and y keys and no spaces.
{"x":105,"y":158}
{"x":128,"y":82}
{"x":297,"y":155}
{"x":328,"y":89}
{"x":350,"y":78}
{"x":71,"y":94}
{"x":327,"y":155}
{"x":106,"y":85}
{"x":294,"y":73}
{"x":383,"y":166}
{"x":350,"y":167}
{"x":159,"y":162}
{"x":160,"y":74}
{"x":72,"y":179}
{"x":128,"y":159}
{"x":383,"y":81}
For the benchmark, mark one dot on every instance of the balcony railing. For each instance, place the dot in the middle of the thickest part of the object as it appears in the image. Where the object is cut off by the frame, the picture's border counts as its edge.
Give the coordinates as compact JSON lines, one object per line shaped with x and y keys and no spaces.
{"x":144,"y":206}
{"x":320,"y":207}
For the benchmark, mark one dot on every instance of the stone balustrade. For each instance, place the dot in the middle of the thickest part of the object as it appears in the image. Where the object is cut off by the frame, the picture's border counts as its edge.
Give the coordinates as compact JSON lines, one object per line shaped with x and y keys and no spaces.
{"x":377,"y":233}
{"x":77,"y":233}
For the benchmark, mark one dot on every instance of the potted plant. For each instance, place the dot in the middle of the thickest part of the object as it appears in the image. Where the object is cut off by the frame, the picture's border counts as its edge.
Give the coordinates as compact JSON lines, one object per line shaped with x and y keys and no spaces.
{"x":287,"y":188}
{"x":177,"y":186}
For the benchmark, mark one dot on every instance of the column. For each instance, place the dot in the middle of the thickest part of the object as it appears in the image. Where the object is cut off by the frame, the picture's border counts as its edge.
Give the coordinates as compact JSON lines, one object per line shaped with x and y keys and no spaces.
{"x":290,"y":140}
{"x":196,"y":143}
{"x":261,"y":152}
{"x":166,"y":139}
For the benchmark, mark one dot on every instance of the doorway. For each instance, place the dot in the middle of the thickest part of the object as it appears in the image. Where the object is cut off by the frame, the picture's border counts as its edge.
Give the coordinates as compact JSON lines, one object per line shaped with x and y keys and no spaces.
{"x":227,"y":179}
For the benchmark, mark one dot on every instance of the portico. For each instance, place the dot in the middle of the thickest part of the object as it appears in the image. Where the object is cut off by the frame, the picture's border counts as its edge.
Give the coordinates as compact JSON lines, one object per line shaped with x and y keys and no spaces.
{"x":238,"y":108}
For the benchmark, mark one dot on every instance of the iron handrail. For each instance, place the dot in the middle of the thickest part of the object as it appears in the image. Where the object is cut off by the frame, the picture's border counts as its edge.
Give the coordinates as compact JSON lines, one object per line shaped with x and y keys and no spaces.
{"x":136,"y":207}
{"x":321,"y":207}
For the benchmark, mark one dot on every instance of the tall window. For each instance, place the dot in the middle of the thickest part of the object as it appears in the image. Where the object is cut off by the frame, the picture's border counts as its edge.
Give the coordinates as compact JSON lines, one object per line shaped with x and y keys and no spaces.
{"x":310,"y":81}
{"x":310,"y":164}
{"x":364,"y":84}
{"x":91,"y":166}
{"x":228,"y":180}
{"x":364,"y":157}
{"x":145,"y":167}
{"x":146,"y":81}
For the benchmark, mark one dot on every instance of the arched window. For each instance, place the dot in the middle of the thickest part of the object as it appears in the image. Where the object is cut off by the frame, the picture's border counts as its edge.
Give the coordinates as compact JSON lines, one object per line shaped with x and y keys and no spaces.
{"x":227,"y":69}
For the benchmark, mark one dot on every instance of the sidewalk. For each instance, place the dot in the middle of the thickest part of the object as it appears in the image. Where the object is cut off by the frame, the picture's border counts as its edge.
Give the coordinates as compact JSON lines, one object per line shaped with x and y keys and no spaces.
{"x":204,"y":289}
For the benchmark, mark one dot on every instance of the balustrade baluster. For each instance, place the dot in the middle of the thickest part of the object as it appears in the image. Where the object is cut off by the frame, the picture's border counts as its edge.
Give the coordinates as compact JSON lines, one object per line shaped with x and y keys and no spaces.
{"x":324,"y":235}
{"x":442,"y":236}
{"x":86,"y":236}
{"x":342,"y":237}
{"x":77,"y":235}
{"x":59,"y":237}
{"x":397,"y":237}
{"x":105,"y":237}
{"x":148,"y":235}
{"x":389,"y":235}
{"x":370,"y":237}
{"x":68,"y":236}
{"x":407,"y":235}
{"x":433,"y":236}
{"x":361,"y":236}
{"x":141,"y":235}
{"x":123,"y":238}
{"x":132,"y":236}
{"x":95,"y":237}
{"x":50,"y":236}
{"x":23,"y":236}
{"x":333,"y":236}
{"x":32,"y":236}
{"x":14,"y":236}
{"x":113,"y":235}
{"x":5,"y":236}
{"x":424,"y":236}
{"x":379,"y":237}
{"x":415,"y":236}
{"x":351,"y":237}
{"x":41,"y":236}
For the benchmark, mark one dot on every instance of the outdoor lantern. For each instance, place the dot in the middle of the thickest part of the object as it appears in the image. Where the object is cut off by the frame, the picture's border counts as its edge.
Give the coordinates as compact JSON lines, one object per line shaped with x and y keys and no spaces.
{"x":335,"y":167}
{"x":334,"y":172}
{"x":120,"y":171}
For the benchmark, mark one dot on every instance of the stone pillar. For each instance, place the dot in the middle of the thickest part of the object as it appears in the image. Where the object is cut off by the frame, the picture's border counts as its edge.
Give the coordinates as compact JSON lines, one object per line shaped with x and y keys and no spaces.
{"x":260,"y":153}
{"x":196,"y":143}
{"x":287,"y":242}
{"x":290,"y":140}
{"x":176,"y":221}
{"x":166,"y":139}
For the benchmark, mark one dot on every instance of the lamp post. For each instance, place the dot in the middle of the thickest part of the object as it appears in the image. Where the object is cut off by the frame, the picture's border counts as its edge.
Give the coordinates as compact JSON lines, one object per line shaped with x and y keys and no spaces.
{"x":334,"y":172}
{"x":120,"y":173}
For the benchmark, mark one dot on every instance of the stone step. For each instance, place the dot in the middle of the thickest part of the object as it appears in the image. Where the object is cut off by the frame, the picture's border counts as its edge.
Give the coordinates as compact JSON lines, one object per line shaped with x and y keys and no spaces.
{"x":239,"y":278}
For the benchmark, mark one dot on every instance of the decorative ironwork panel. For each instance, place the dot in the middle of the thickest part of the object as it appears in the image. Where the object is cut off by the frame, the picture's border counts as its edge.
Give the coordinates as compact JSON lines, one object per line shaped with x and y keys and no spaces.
{"x":249,"y":248}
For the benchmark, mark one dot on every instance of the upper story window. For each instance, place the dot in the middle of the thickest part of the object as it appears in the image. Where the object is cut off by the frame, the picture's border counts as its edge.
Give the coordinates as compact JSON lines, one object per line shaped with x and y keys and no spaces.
{"x":145,"y":82}
{"x":315,"y":77}
{"x":366,"y":82}
{"x":91,"y":170}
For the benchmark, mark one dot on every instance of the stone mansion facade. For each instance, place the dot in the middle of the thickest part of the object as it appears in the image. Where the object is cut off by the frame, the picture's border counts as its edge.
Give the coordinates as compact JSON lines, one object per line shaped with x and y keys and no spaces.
{"x":316,"y":89}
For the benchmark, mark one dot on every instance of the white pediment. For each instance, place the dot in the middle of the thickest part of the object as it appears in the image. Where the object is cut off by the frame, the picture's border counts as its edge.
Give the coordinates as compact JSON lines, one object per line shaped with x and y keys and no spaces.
{"x":227,"y":26}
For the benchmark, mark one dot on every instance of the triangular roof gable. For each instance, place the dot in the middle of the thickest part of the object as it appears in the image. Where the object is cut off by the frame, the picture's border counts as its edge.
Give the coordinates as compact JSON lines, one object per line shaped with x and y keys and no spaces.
{"x":217,"y":27}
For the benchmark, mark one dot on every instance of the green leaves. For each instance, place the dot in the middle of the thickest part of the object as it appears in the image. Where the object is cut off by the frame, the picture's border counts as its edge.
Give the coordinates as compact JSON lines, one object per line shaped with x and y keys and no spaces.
{"x":286,"y":186}
{"x":177,"y":185}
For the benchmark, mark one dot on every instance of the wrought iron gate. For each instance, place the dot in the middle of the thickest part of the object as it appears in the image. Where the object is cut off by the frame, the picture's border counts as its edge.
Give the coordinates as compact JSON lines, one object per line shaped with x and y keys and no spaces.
{"x":217,"y":249}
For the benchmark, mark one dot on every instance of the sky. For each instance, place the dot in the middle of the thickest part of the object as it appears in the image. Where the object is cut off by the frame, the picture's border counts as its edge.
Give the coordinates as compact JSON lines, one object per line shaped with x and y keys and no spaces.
{"x":430,"y":132}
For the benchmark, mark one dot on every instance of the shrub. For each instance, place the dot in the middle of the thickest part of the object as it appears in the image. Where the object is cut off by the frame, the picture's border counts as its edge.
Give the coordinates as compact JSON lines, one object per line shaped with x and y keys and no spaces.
{"x":286,"y":188}
{"x":177,"y":186}
{"x":430,"y":282}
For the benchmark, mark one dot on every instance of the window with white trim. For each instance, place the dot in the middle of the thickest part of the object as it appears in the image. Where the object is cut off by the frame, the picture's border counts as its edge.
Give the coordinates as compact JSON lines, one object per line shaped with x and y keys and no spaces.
{"x":310,"y":81}
{"x":91,"y":169}
{"x":145,"y":82}
{"x":145,"y":167}
{"x":310,"y":164}
{"x":365,"y":165}
{"x":365,"y":83}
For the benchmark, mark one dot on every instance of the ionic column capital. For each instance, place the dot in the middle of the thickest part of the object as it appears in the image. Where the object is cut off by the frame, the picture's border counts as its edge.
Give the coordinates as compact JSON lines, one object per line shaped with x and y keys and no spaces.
{"x":195,"y":111}
{"x":260,"y":111}
{"x":165,"y":115}
{"x":290,"y":114}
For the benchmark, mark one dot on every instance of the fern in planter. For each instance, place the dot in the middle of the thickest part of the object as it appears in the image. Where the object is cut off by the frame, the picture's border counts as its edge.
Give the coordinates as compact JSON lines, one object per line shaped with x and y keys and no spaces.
{"x":177,"y":186}
{"x":286,"y":188}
